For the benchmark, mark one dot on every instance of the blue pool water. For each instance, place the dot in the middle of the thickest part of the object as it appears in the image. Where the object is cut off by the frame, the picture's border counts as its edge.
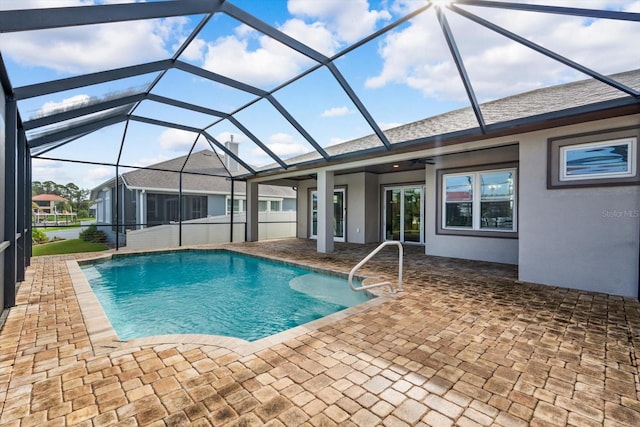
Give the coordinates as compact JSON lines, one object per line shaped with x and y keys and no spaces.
{"x":212,"y":292}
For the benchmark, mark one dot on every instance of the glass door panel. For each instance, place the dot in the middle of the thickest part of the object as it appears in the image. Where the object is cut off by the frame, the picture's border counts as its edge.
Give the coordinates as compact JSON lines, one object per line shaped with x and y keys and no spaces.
{"x":393,"y":211}
{"x":314,"y":214}
{"x":338,"y":215}
{"x":403,"y":214}
{"x":412,"y":215}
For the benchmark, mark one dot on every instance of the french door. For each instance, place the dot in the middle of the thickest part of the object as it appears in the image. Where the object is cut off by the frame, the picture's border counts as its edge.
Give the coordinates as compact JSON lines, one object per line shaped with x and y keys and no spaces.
{"x":404,"y":214}
{"x":339,"y":210}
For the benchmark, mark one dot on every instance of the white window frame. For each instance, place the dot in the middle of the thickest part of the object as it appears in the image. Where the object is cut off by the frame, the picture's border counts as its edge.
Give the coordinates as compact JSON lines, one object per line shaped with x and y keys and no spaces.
{"x":476,"y":201}
{"x":241,"y":205}
{"x":631,"y":143}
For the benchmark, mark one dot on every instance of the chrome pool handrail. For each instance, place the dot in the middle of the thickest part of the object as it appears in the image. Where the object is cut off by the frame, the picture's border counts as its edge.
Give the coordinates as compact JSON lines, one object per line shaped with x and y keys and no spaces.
{"x":368,"y":257}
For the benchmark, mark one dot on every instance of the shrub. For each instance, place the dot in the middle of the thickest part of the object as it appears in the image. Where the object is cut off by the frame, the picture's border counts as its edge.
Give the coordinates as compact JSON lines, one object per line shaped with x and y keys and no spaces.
{"x":38,"y":236}
{"x":92,"y":234}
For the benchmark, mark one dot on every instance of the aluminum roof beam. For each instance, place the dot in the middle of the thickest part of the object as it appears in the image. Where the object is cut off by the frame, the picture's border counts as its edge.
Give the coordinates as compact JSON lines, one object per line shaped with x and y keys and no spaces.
{"x":457,"y":58}
{"x":41,"y":19}
{"x":217,"y":143}
{"x":256,"y":141}
{"x":359,"y":105}
{"x":275,"y":34}
{"x":189,"y":129}
{"x":69,"y":83}
{"x":546,"y":52}
{"x":82,"y":111}
{"x":298,"y":127}
{"x":209,"y":75}
{"x":556,"y":10}
{"x":305,"y":50}
{"x":76,"y":130}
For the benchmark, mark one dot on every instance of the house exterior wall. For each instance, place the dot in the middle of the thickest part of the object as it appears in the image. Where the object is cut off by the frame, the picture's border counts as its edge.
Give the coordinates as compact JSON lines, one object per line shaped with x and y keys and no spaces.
{"x":571,"y":237}
{"x":216,"y":205}
{"x":502,"y":250}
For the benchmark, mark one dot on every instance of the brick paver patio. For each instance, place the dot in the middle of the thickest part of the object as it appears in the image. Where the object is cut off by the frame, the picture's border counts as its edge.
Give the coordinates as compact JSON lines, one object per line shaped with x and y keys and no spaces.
{"x":465,"y":344}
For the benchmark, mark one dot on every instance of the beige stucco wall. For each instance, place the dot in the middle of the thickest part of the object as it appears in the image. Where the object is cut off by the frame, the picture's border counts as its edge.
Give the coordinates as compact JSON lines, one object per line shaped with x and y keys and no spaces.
{"x":574,"y":237}
{"x":585,"y":238}
{"x":502,"y":250}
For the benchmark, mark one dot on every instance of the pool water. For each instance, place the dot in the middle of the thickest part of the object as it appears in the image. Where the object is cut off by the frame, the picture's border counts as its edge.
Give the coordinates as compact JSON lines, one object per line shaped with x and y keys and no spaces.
{"x":212,"y":292}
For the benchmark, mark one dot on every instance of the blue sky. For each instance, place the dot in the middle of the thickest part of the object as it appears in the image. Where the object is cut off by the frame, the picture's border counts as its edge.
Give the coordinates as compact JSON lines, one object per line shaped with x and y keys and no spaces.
{"x":402,"y":76}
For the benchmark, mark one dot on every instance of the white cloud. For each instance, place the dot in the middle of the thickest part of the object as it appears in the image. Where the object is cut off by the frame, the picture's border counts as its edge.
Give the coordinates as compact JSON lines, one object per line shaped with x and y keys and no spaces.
{"x":417,"y":55}
{"x":283,"y":145}
{"x":350,"y":20}
{"x":100,"y":174}
{"x":177,"y":140}
{"x":269,"y":64}
{"x":92,"y":48}
{"x":336,"y":112}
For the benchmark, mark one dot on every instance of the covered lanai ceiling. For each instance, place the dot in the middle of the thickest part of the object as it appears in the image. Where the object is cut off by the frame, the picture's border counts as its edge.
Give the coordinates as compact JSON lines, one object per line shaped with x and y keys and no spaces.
{"x":295,"y":82}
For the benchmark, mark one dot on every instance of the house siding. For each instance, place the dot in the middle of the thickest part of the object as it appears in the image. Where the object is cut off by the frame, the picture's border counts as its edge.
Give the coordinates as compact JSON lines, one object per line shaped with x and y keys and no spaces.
{"x":216,"y":205}
{"x":570,"y":237}
{"x":502,"y":250}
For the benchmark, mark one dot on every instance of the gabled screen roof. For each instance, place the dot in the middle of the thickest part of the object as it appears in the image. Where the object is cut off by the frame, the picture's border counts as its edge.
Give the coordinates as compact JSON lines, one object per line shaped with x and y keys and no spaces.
{"x":304,"y":82}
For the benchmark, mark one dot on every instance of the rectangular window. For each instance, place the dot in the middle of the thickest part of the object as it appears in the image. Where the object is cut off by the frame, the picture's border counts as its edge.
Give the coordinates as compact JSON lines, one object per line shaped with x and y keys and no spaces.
{"x":275,"y":206}
{"x":238,"y":206}
{"x":603,"y":158}
{"x":478,"y":202}
{"x":263,"y":205}
{"x":606,"y":159}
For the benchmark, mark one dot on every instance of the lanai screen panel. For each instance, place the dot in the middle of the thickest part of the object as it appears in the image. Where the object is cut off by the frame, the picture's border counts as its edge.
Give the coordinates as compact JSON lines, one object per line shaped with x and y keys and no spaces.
{"x":241,"y":64}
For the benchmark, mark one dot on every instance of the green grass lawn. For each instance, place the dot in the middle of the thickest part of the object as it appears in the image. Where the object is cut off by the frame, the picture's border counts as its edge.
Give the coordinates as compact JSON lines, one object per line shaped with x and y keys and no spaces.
{"x":70,"y":246}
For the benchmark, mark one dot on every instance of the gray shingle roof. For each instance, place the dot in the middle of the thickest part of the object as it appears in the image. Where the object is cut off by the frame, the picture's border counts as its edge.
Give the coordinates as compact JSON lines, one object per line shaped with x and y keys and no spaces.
{"x":528,"y":104}
{"x":202,"y":162}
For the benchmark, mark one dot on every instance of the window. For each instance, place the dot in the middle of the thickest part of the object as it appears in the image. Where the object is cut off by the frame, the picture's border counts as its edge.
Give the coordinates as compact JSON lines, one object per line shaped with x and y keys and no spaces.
{"x":275,"y":206}
{"x":238,"y":206}
{"x":607,"y":159}
{"x":597,"y":159}
{"x":478,"y":202}
{"x":262,"y":205}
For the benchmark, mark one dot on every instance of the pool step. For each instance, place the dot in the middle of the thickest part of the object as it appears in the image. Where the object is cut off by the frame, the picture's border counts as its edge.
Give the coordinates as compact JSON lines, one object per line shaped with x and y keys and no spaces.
{"x":331,"y":289}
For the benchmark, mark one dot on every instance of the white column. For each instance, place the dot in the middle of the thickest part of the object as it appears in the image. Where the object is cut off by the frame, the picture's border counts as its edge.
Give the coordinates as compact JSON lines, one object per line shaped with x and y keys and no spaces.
{"x":325,"y":211}
{"x":142,"y":212}
{"x":252,"y":211}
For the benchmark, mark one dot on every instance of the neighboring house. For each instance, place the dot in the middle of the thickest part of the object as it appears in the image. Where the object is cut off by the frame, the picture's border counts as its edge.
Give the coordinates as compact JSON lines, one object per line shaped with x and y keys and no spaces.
{"x":559,"y":197}
{"x":47,"y":203}
{"x":150,"y":197}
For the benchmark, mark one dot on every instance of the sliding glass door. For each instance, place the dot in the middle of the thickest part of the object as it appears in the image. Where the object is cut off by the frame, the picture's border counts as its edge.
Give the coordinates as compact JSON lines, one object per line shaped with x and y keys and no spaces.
{"x":404,"y":214}
{"x":339,"y":211}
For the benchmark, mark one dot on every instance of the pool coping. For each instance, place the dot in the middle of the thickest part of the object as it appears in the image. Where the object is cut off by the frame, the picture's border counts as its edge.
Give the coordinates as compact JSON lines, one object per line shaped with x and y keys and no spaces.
{"x":103,"y":335}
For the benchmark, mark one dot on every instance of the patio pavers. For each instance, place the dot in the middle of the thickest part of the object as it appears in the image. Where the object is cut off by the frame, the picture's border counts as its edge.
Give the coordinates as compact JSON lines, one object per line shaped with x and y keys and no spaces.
{"x":464,"y":344}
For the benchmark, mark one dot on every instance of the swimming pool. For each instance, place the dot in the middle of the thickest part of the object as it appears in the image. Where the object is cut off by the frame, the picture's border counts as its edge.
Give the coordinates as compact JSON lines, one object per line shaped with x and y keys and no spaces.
{"x":212,"y":292}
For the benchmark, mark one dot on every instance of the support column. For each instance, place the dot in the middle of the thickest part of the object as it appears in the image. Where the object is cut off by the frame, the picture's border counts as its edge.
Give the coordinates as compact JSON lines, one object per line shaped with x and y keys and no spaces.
{"x":21,"y":213}
{"x":252,"y":212}
{"x":10,"y":253}
{"x":325,"y":211}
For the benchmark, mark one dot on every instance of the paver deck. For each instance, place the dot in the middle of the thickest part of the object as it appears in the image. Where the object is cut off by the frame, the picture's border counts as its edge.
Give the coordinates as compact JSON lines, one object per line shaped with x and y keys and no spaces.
{"x":465,"y":344}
